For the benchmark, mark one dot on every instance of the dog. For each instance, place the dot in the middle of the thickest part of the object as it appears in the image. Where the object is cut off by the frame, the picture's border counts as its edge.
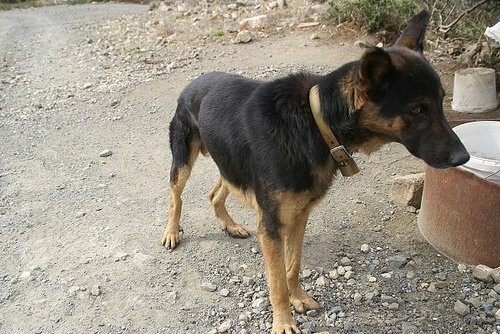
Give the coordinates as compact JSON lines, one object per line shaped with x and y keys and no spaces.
{"x":278,"y":145}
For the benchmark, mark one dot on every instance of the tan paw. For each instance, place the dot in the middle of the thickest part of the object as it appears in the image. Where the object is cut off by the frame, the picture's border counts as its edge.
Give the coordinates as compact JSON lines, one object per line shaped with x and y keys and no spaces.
{"x":170,"y":238}
{"x":302,"y":302}
{"x":236,"y":231}
{"x":285,"y":328}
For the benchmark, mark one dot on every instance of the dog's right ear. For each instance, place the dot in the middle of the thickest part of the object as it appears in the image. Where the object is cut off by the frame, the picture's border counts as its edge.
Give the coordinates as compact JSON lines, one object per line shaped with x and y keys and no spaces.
{"x":413,"y":35}
{"x":375,"y":70}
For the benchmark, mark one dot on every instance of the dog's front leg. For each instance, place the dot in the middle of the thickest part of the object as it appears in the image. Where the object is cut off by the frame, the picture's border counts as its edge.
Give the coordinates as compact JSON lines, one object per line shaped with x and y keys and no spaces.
{"x":294,"y":239}
{"x":274,"y":259}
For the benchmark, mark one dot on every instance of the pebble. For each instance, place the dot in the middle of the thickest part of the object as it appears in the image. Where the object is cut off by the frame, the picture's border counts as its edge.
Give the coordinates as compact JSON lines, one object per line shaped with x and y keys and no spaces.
{"x":348,"y":274}
{"x":365,"y":248}
{"x":321,"y":281}
{"x":105,"y":153}
{"x":497,"y":314}
{"x":306,"y":273}
{"x":495,"y":274}
{"x":407,"y":328}
{"x":393,"y":306}
{"x":244,"y":36}
{"x":386,"y":275}
{"x":80,"y":214}
{"x":312,"y":313}
{"x":224,"y":292}
{"x":121,"y":256}
{"x":460,"y":308}
{"x":247,"y":280}
{"x":95,"y":290}
{"x":260,"y":304}
{"x":483,"y":273}
{"x":207,"y":286}
{"x":333,"y":274}
{"x":345,"y":261}
{"x":341,"y":271}
{"x":314,"y":36}
{"x":496,"y":288}
{"x":397,"y":261}
{"x":224,"y":327}
{"x":254,"y":22}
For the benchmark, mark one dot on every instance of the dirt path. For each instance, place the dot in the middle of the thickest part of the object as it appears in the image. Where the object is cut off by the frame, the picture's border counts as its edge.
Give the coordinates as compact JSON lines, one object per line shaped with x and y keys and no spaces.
{"x":80,"y":234}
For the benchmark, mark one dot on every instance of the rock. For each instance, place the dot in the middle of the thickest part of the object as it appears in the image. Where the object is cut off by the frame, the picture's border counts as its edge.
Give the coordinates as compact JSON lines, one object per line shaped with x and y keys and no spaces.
{"x":306,"y":273}
{"x":121,"y":256}
{"x":224,"y":327}
{"x":230,"y":26}
{"x":345,"y":261}
{"x":398,"y":261}
{"x":460,"y":308}
{"x":224,"y":292}
{"x":80,"y":214}
{"x":497,"y":314}
{"x":255,"y":22}
{"x":348,"y":275}
{"x":248,"y":280}
{"x":260,"y":304}
{"x":386,"y":275}
{"x":474,"y":301}
{"x":333,"y":274}
{"x":365,"y":248}
{"x":483,"y":273}
{"x":321,"y":281}
{"x":244,"y":36}
{"x":87,"y":85}
{"x":114,"y":103}
{"x":357,"y":298}
{"x":314,"y":36}
{"x":393,"y":306}
{"x":495,"y":274}
{"x":408,"y":328}
{"x":432,"y":287}
{"x":496,"y":288}
{"x":312,"y":313}
{"x":207,"y":286}
{"x":341,"y":271}
{"x":172,"y":296}
{"x":25,"y":274}
{"x":95,"y":290}
{"x":407,"y":190}
{"x":105,"y":153}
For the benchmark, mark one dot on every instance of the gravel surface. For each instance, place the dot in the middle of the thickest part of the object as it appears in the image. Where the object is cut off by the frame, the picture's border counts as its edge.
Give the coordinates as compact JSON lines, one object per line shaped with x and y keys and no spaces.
{"x":86,"y":94}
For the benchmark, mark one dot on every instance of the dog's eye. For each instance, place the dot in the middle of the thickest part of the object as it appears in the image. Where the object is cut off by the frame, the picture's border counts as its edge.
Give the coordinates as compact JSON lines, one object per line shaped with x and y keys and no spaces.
{"x":416,"y":110}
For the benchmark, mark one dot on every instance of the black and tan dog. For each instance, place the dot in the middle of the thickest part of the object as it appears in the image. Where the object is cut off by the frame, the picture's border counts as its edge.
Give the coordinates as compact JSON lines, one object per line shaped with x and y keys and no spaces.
{"x":271,"y":153}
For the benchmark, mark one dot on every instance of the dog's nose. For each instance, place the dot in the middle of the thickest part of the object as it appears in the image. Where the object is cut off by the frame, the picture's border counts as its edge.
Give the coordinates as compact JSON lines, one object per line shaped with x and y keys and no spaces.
{"x":459,"y":157}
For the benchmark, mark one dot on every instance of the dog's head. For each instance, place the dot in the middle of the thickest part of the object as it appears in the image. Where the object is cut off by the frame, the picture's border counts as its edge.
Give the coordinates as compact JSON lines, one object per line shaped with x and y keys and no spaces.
{"x":400,"y":98}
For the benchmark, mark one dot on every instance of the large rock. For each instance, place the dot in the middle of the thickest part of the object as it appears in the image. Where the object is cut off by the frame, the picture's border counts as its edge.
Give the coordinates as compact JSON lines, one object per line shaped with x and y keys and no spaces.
{"x":244,"y":36}
{"x":255,"y":22}
{"x":407,"y":190}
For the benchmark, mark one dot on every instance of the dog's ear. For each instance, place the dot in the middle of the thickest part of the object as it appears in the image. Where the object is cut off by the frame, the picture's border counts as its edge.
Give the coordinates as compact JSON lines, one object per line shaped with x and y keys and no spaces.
{"x":375,"y":70}
{"x":413,"y":35}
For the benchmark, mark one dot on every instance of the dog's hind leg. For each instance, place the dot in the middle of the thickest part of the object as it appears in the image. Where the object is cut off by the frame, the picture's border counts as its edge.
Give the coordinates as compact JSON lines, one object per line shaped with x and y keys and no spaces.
{"x":185,"y":145}
{"x":218,"y":197}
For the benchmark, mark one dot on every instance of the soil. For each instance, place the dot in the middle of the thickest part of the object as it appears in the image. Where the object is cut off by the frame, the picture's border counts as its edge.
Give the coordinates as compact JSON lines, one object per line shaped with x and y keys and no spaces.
{"x":80,"y":234}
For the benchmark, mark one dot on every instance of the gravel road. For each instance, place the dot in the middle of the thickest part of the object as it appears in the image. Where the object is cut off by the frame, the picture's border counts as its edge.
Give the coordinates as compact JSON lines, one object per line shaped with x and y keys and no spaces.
{"x":86,"y":94}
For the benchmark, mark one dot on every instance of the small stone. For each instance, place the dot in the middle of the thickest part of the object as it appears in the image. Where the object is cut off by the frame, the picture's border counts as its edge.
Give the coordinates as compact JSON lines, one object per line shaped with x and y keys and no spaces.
{"x":260,"y":304}
{"x":345,"y":261}
{"x":121,"y":256}
{"x":357,"y":298}
{"x":341,"y":271}
{"x":224,"y":292}
{"x":495,"y":274}
{"x":397,"y":261}
{"x":248,"y":280}
{"x":87,"y":85}
{"x":497,"y":314}
{"x":114,"y":103}
{"x":483,"y":273}
{"x":372,"y":279}
{"x":461,"y":268}
{"x":224,"y":327}
{"x":312,"y":313}
{"x":432,"y":287}
{"x":306,"y":273}
{"x":407,"y":328}
{"x":207,"y":286}
{"x":255,"y":250}
{"x":80,"y":214}
{"x":393,"y":306}
{"x":105,"y":153}
{"x":95,"y":290}
{"x":460,"y":308}
{"x":407,"y":190}
{"x":314,"y":36}
{"x":380,"y":45}
{"x":25,"y":274}
{"x":348,"y":275}
{"x":386,"y":275}
{"x":172,"y":296}
{"x":244,"y":36}
{"x":73,"y":290}
{"x":333,"y":274}
{"x":474,"y":301}
{"x":321,"y":281}
{"x":365,"y":248}
{"x":496,"y":288}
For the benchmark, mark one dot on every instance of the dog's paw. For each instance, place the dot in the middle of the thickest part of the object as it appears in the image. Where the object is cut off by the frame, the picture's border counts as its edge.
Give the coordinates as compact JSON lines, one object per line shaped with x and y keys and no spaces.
{"x":285,"y":328}
{"x":302,"y":302}
{"x":237,"y":231}
{"x":170,"y":239}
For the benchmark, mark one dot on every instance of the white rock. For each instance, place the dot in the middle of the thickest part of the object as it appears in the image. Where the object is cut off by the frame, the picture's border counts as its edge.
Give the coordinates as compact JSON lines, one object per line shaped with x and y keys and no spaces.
{"x":224,"y":292}
{"x":224,"y":327}
{"x":207,"y":286}
{"x":244,"y":36}
{"x":348,"y":274}
{"x":255,"y":22}
{"x":483,"y":273}
{"x":333,"y":274}
{"x":497,"y":314}
{"x":105,"y":153}
{"x":365,"y":248}
{"x":306,"y":273}
{"x":321,"y":281}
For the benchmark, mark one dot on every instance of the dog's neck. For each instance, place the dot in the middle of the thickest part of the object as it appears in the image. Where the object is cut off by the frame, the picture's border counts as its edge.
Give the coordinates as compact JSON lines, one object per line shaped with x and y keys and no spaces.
{"x":341,"y":104}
